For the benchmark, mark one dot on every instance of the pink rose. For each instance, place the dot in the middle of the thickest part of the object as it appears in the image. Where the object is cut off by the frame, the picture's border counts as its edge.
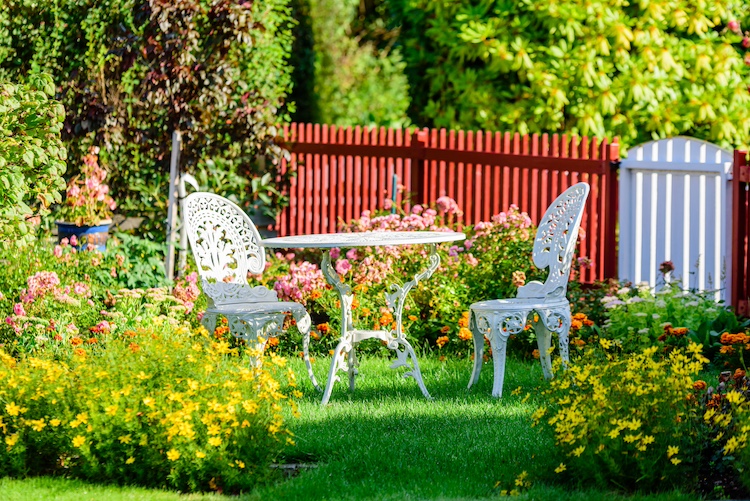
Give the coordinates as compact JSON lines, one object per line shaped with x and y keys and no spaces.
{"x":19,"y":310}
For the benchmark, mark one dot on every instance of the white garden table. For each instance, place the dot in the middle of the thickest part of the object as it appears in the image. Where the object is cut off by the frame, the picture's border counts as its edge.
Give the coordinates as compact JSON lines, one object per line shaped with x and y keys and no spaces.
{"x":344,"y":356}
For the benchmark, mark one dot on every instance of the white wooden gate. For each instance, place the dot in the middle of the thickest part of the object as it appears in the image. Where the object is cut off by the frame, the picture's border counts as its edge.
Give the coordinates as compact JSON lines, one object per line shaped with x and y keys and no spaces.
{"x":675,"y":205}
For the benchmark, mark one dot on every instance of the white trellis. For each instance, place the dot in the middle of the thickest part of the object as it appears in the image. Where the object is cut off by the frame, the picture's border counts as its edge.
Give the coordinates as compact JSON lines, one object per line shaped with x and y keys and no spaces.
{"x":675,"y":205}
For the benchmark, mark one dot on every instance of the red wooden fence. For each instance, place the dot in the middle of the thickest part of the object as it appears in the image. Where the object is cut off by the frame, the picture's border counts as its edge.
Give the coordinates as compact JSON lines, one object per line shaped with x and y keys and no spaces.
{"x":740,"y":232}
{"x":344,"y":171}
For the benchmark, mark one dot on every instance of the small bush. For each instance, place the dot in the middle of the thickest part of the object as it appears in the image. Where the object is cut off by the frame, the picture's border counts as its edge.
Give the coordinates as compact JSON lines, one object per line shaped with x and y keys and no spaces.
{"x":32,"y":156}
{"x":163,"y":405}
{"x":633,"y":421}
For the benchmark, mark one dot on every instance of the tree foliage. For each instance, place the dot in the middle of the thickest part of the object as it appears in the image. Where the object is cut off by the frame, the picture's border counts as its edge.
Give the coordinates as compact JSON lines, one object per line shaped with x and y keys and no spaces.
{"x":32,"y":156}
{"x":348,"y":78}
{"x":638,"y":70}
{"x":129,"y":72}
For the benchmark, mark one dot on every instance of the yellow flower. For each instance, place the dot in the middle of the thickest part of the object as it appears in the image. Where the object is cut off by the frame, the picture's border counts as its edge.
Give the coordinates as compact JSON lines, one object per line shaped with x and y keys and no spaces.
{"x":734,"y":397}
{"x":125,"y":439}
{"x":240,"y":463}
{"x":676,"y":461}
{"x":130,"y":460}
{"x":579,"y":450}
{"x":606,"y":343}
{"x":173,"y":455}
{"x":55,"y":422}
{"x":38,"y":424}
{"x":200,"y":454}
{"x":148,"y":402}
{"x":13,"y":410}
{"x":672,"y":450}
{"x":560,"y":468}
{"x":215,"y":441}
{"x":11,"y":440}
{"x":78,"y":441}
{"x":111,"y":410}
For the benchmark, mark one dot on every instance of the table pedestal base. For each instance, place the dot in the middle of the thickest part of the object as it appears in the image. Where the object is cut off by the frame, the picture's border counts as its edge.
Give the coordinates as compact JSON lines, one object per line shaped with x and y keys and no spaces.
{"x":345,"y":356}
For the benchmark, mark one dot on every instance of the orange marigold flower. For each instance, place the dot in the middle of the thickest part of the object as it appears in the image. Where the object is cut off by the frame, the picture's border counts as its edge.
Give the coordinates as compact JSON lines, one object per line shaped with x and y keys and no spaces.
{"x":76,"y":341}
{"x":413,"y":318}
{"x":445,"y":329}
{"x":579,"y":316}
{"x":588,"y":323}
{"x":134,"y":347}
{"x":576,"y":324}
{"x":535,"y":353}
{"x":700,"y":385}
{"x":274,"y":341}
{"x":316,"y":294}
{"x":667,"y":329}
{"x":579,"y":342}
{"x":324,"y":328}
{"x":726,"y":350}
{"x":464,"y":334}
{"x":365,"y":312}
{"x":442,"y":358}
{"x":92,"y":340}
{"x":129,"y":333}
{"x":739,"y":374}
{"x":441,"y":341}
{"x":679,"y":331}
{"x":79,"y":352}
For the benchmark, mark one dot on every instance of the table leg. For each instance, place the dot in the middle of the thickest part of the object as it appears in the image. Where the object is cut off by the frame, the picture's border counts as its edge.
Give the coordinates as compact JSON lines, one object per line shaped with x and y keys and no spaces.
{"x":345,"y":347}
{"x":396,"y":300}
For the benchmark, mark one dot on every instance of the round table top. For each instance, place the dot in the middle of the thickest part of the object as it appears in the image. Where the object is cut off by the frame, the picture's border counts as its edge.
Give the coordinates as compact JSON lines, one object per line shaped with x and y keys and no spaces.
{"x":362,"y":239}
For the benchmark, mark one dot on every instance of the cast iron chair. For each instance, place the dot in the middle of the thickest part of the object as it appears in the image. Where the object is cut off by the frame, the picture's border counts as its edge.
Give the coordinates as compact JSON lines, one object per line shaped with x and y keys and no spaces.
{"x":226,"y":246}
{"x":497,"y":319}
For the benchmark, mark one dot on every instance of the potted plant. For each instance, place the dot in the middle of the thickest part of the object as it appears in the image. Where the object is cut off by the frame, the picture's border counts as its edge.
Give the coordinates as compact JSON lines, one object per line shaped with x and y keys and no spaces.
{"x":85,"y":216}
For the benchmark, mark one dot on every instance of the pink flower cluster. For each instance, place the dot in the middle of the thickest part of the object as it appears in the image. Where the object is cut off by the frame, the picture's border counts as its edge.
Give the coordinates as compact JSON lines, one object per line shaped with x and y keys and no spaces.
{"x":302,"y":281}
{"x":40,"y":284}
{"x":447,"y":205}
{"x":186,"y":291}
{"x":88,"y":201}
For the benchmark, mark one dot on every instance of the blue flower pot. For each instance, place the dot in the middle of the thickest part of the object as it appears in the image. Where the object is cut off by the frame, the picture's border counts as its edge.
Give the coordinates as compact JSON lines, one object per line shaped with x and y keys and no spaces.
{"x":96,"y":235}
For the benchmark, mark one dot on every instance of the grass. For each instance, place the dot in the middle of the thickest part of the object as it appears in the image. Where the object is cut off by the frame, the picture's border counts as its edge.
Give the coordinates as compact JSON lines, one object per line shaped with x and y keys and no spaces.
{"x":385,"y":441}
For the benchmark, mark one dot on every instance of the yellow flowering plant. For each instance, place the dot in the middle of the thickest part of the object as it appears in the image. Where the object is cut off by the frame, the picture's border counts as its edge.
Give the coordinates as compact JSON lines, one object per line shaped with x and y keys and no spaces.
{"x":630,"y":421}
{"x":166,"y":405}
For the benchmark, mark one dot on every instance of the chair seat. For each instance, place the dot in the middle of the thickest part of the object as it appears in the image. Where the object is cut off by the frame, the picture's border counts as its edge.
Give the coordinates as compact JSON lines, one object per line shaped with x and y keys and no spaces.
{"x":259,"y":308}
{"x":518,"y":303}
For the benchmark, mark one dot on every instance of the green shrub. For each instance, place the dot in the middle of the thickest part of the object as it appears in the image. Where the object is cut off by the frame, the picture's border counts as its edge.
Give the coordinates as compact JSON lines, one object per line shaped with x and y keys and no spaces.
{"x":130,"y":72}
{"x":635,"y":70}
{"x":162,"y":406}
{"x":639,"y":318}
{"x":353,"y":80}
{"x":632,"y":422}
{"x":32,"y":156}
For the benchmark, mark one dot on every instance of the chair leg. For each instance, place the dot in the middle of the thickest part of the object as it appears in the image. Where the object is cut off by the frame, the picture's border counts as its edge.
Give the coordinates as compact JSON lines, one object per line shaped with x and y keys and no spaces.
{"x":209,"y":322}
{"x":304,"y":324}
{"x":543,"y":341}
{"x":499,"y":344}
{"x":352,"y":367}
{"x":478,"y":350}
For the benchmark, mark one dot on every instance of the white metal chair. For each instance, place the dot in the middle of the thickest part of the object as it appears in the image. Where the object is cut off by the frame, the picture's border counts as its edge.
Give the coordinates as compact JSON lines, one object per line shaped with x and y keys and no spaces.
{"x":226,"y":246}
{"x":497,"y":319}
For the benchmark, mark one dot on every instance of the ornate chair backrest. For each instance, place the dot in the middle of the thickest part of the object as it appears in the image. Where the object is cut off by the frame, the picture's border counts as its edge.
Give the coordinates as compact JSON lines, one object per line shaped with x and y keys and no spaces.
{"x":555,"y":243}
{"x":225,"y":244}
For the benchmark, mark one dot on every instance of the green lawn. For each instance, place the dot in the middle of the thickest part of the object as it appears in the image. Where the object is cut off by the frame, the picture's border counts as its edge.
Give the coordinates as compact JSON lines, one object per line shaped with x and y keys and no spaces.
{"x":385,"y":441}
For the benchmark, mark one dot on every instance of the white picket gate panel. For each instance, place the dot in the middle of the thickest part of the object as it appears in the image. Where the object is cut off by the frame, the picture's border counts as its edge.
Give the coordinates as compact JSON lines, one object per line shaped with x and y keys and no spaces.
{"x":675,"y":205}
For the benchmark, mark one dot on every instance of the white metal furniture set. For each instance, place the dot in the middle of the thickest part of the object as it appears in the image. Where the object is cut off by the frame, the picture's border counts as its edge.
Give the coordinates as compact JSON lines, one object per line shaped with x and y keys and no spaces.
{"x":227,"y":246}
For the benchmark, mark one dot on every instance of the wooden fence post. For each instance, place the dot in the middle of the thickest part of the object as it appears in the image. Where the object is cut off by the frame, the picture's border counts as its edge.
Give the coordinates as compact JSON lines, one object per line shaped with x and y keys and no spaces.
{"x":612,"y":165}
{"x":416,"y":155}
{"x":740,"y":233}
